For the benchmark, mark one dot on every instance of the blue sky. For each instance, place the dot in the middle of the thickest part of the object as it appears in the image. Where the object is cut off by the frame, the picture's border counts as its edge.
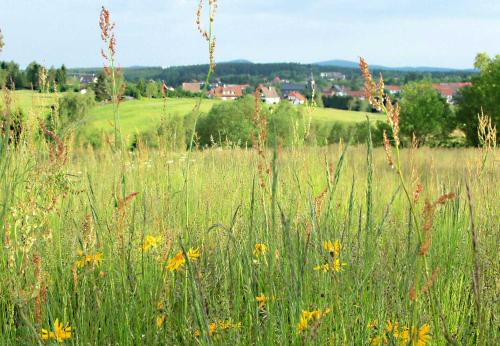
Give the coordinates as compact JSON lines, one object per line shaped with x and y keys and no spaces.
{"x":445,"y":33}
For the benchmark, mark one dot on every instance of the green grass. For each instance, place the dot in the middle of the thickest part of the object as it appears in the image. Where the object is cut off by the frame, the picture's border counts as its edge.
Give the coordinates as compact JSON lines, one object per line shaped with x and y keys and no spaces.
{"x":224,"y":203}
{"x":330,"y":115}
{"x":143,"y":115}
{"x":34,"y":101}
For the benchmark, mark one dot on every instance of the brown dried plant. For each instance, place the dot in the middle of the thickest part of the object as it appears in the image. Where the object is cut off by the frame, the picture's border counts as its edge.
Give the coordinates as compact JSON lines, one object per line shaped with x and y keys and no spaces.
{"x":388,"y":150}
{"x":112,"y":71}
{"x":259,"y":139}
{"x":57,"y":151}
{"x":2,"y":44}
{"x":207,"y":33}
{"x":374,"y":92}
{"x":121,"y":218}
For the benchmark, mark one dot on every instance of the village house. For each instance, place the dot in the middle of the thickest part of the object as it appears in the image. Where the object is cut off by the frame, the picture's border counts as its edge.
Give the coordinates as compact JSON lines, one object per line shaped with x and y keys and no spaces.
{"x":269,"y":95}
{"x":359,"y":94}
{"x":227,"y":92}
{"x":296,"y":98}
{"x":287,"y":88}
{"x":87,"y":79}
{"x":193,"y":87}
{"x":329,"y":92}
{"x":340,"y":90}
{"x":393,"y":89}
{"x":331,"y":76}
{"x":449,"y":90}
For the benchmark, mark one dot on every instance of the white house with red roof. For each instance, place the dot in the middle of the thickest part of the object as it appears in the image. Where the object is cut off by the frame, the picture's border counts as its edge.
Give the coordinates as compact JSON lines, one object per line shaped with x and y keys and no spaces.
{"x":449,"y":90}
{"x":227,"y":92}
{"x":393,"y":89}
{"x":296,"y":98}
{"x":269,"y":95}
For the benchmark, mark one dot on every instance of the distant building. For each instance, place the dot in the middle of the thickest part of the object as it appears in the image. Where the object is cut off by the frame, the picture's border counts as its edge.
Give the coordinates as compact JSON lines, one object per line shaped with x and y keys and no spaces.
{"x":269,"y":95}
{"x":332,"y":76}
{"x":296,"y":98}
{"x":287,"y":88}
{"x":87,"y":79}
{"x":227,"y":93}
{"x":359,"y":94}
{"x":340,"y":90}
{"x":449,"y":90}
{"x":328,"y":92}
{"x":393,"y":89}
{"x":276,"y":80}
{"x":194,"y":87}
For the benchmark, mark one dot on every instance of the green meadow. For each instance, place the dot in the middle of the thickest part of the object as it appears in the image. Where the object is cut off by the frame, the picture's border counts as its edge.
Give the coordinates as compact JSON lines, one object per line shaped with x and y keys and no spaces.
{"x":268,"y":243}
{"x":137,"y":116}
{"x":298,"y":246}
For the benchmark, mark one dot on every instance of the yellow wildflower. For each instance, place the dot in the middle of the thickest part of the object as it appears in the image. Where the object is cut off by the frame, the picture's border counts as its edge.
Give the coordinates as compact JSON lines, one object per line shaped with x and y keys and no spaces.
{"x":212,"y":328}
{"x":332,"y":248}
{"x":302,"y":325}
{"x":196,"y":333}
{"x":262,"y":300}
{"x":160,"y":320}
{"x":306,"y":316}
{"x":193,"y":254}
{"x":378,"y":340}
{"x":85,"y":260}
{"x":60,"y":333}
{"x":223,"y":325}
{"x":391,"y":327}
{"x":46,"y":335}
{"x":150,"y":242}
{"x":423,"y":337}
{"x":325,"y":267}
{"x":337,"y":265}
{"x":176,"y":262}
{"x":97,"y":258}
{"x":403,"y":337}
{"x":260,"y":249}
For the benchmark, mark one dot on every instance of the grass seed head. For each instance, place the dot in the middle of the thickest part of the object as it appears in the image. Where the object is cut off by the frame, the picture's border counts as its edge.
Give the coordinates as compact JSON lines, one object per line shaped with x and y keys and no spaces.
{"x":2,"y":44}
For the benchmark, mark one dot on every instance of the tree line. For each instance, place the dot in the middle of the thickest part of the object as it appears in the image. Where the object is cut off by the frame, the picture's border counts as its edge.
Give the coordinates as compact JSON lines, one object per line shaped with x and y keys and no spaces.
{"x":12,"y":77}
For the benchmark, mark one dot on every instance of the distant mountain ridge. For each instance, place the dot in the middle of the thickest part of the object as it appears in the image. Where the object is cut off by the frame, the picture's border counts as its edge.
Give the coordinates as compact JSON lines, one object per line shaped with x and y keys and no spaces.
{"x":352,"y":64}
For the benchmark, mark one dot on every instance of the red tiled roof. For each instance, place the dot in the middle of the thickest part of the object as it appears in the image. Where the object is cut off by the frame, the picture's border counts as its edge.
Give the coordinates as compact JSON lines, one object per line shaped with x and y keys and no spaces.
{"x":356,"y":93}
{"x":227,"y":91}
{"x":450,"y":89}
{"x":393,"y":87}
{"x":269,"y":92}
{"x":297,"y":95}
{"x":194,"y":87}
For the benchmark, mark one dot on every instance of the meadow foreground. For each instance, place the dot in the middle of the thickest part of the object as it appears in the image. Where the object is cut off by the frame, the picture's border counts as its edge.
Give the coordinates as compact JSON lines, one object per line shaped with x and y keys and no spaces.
{"x":230,"y":246}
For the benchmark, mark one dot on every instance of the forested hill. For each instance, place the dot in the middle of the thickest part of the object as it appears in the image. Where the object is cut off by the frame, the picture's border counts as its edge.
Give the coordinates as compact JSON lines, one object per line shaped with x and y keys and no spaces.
{"x":251,"y":73}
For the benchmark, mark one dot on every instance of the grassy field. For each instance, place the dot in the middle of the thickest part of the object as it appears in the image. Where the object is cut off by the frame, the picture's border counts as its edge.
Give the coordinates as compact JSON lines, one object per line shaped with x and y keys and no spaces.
{"x":142,"y":115}
{"x":330,"y":115}
{"x":160,"y":248}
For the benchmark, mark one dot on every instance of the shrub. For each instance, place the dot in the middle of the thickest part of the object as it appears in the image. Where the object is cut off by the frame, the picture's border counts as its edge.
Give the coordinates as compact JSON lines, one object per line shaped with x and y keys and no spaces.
{"x":12,"y":124}
{"x":73,"y":108}
{"x":227,"y":122}
{"x":172,"y":133}
{"x":425,"y":113}
{"x":285,"y":125}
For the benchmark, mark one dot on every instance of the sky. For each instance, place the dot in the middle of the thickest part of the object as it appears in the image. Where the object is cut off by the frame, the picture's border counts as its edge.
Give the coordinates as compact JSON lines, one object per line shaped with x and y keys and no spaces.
{"x":440,"y":33}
